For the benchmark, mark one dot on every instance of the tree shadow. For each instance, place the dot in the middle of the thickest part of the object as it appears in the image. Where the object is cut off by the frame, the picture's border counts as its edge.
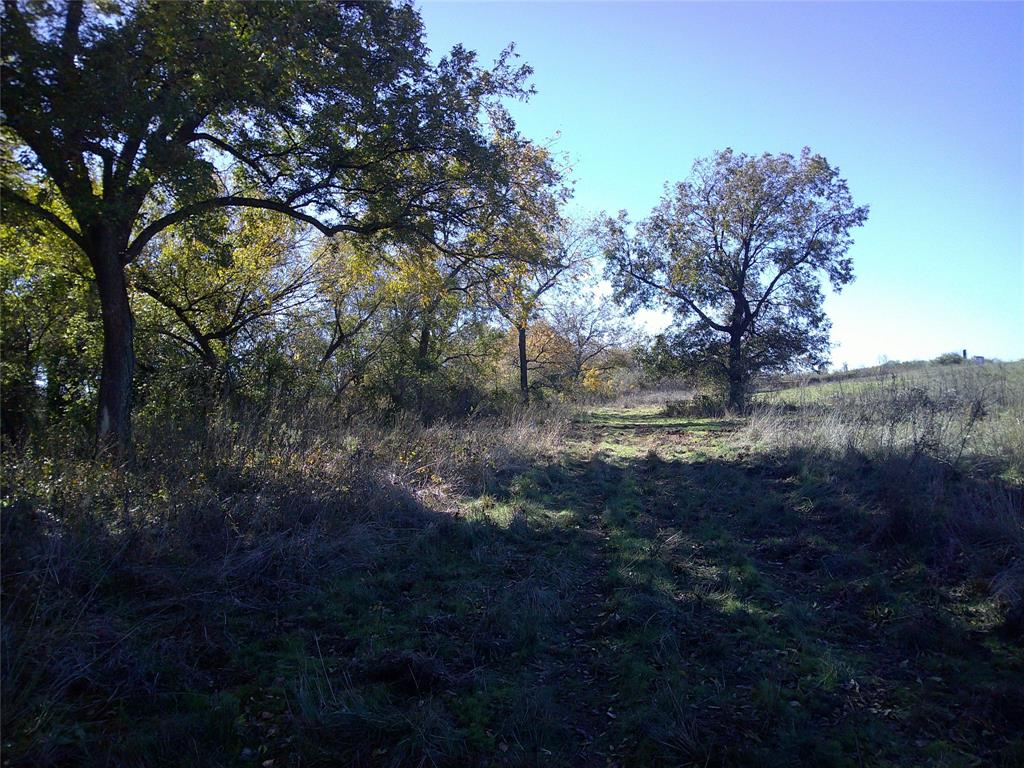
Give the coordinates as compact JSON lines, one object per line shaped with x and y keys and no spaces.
{"x":656,"y":421}
{"x":781,"y":608}
{"x":591,"y":610}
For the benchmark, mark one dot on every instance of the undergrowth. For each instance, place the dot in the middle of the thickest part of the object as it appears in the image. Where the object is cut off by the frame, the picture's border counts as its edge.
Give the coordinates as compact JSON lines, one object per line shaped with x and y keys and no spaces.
{"x":135,"y":591}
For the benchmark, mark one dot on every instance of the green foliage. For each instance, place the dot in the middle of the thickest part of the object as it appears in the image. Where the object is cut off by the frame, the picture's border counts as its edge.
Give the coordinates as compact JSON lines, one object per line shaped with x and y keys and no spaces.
{"x":317,"y":102}
{"x":128,"y":119}
{"x":658,"y":359}
{"x":737,"y":252}
{"x":949,"y":358}
{"x":49,"y":341}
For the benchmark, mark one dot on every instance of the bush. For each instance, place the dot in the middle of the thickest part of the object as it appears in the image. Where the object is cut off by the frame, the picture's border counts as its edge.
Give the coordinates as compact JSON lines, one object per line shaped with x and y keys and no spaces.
{"x":702,"y":405}
{"x":949,"y":358}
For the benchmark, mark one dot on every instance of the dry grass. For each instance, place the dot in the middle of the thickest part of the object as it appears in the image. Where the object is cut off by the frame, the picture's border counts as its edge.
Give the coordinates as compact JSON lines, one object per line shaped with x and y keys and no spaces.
{"x":942,"y":451}
{"x":102,"y":568}
{"x":631,"y":588}
{"x":962,"y":417}
{"x":671,"y":391}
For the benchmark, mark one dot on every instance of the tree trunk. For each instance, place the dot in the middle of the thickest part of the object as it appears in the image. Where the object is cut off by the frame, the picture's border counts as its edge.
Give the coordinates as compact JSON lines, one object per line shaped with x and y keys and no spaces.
{"x":737,"y":376}
{"x":524,"y":383}
{"x":17,"y":406}
{"x":113,"y":419}
{"x":424,"y":347}
{"x":423,"y":366}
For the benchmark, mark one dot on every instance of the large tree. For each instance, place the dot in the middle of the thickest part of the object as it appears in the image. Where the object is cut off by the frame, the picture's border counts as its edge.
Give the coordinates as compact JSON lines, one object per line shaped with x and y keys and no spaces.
{"x":139,"y":115}
{"x":738,"y":252}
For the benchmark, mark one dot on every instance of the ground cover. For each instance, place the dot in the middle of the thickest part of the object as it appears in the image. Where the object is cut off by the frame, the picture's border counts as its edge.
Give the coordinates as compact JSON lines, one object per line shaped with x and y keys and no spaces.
{"x":650,"y":590}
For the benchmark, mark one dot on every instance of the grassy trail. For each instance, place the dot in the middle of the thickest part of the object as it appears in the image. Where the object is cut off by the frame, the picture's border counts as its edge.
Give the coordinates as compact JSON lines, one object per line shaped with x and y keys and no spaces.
{"x":690,"y":603}
{"x":655,"y":595}
{"x":652,"y":593}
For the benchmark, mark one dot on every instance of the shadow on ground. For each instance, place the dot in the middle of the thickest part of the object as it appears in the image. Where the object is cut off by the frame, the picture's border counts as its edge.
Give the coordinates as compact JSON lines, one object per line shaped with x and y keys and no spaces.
{"x":662,"y":603}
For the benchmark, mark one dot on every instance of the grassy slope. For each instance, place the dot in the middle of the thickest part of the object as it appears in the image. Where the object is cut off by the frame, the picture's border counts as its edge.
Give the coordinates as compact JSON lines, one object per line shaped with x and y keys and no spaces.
{"x":927,"y":375}
{"x":654,"y":594}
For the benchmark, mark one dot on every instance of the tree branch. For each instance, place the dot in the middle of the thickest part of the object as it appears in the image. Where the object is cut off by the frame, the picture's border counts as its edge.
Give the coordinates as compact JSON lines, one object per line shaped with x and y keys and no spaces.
{"x":676,"y":295}
{"x":239,"y":201}
{"x":785,"y":271}
{"x":46,"y":215}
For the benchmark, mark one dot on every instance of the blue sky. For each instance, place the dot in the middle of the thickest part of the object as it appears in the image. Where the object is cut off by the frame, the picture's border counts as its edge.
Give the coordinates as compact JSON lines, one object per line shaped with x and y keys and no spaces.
{"x":920,"y":105}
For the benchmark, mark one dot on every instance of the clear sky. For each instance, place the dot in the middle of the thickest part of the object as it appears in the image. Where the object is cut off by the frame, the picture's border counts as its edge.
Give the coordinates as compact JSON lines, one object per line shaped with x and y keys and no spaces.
{"x":920,"y":105}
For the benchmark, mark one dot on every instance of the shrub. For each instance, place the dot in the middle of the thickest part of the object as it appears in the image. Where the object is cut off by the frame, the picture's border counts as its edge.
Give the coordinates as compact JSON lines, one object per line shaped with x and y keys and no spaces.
{"x":701,"y":405}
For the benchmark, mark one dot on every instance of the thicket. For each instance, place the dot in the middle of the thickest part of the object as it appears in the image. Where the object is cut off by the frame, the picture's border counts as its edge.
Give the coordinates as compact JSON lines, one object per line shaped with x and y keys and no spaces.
{"x":265,"y":319}
{"x":282,"y":197}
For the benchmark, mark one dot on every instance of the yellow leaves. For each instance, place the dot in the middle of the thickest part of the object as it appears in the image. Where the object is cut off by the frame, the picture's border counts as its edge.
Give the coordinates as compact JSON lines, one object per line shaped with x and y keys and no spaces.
{"x":685,"y":272}
{"x":345,"y":268}
{"x":594,"y":382}
{"x":391,"y":273}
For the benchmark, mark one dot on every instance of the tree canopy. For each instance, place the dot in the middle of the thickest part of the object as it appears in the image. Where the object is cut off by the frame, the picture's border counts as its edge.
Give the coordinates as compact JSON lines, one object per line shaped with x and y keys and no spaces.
{"x":241,"y":199}
{"x":131,"y":117}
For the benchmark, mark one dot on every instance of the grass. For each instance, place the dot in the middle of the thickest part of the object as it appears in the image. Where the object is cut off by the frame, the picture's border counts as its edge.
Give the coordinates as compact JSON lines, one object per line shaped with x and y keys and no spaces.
{"x":625,"y":588}
{"x":1002,"y":381}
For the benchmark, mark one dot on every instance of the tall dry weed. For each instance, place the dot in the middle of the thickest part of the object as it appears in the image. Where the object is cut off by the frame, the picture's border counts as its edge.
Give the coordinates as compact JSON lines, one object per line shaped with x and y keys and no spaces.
{"x":942,"y":455}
